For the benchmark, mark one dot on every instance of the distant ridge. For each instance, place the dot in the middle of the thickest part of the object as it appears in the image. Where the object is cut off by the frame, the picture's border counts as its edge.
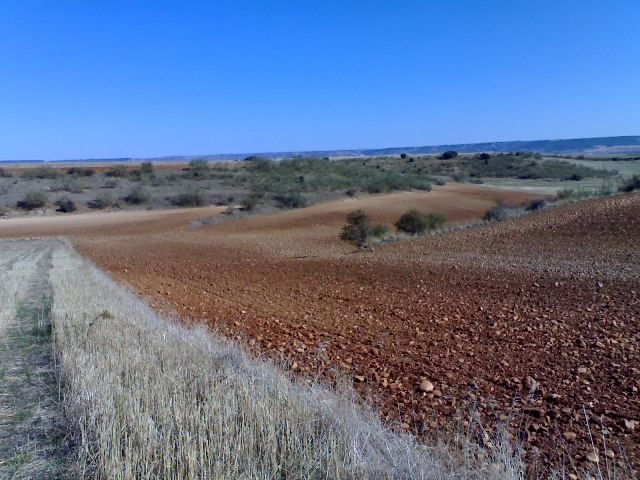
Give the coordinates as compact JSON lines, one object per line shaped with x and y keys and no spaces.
{"x":577,"y":146}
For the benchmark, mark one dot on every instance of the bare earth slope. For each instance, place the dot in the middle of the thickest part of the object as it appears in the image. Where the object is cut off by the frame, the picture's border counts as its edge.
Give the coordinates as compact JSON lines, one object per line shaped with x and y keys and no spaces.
{"x":551,"y":299}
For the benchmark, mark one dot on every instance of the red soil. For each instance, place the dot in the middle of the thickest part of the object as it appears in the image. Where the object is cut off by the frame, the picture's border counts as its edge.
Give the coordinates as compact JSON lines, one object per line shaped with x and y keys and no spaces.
{"x":551,"y":299}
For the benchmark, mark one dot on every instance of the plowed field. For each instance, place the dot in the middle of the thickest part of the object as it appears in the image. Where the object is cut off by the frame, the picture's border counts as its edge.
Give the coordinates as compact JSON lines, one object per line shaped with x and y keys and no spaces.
{"x":534,"y":321}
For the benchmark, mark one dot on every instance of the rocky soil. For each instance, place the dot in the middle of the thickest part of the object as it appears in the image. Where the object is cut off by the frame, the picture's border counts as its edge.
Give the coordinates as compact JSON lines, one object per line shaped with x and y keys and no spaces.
{"x":532,"y":323}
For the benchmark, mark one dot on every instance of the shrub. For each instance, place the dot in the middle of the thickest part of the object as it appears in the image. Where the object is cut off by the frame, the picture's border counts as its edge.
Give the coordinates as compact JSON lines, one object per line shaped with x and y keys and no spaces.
{"x":535,"y":205}
{"x":81,"y":172}
{"x":65,"y":205}
{"x":403,"y":155}
{"x":137,"y":195}
{"x":103,"y":200}
{"x":630,"y":184}
{"x":415,"y":222}
{"x":33,"y":200}
{"x":566,"y":193}
{"x":357,"y":229}
{"x":68,"y":185}
{"x":4,"y":173}
{"x":120,"y":170}
{"x":292,"y":200}
{"x":449,"y":154}
{"x":249,"y":203}
{"x":190,"y":198}
{"x":42,"y":173}
{"x":497,"y":213}
{"x":379,"y":230}
{"x":485,"y":156}
{"x":146,"y":167}
{"x":440,"y":182}
{"x":110,"y":184}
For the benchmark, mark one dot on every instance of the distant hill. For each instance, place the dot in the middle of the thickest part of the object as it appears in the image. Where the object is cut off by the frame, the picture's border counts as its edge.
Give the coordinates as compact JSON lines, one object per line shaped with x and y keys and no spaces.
{"x":577,"y":146}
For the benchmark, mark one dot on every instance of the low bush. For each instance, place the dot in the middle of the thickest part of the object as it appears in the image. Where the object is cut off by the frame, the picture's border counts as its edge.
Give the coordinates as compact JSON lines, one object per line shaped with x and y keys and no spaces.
{"x":498,"y":213}
{"x":33,"y":200}
{"x":65,"y":205}
{"x":137,"y":195}
{"x":566,"y":193}
{"x":4,"y":173}
{"x":68,"y":185}
{"x":103,"y":200}
{"x":81,"y":172}
{"x":449,"y":154}
{"x":249,"y":203}
{"x":146,"y":167}
{"x":120,"y":170}
{"x":357,"y":229}
{"x":415,"y":222}
{"x":190,"y":198}
{"x":535,"y":205}
{"x":41,"y":173}
{"x":630,"y":184}
{"x":292,"y":200}
{"x":379,"y":230}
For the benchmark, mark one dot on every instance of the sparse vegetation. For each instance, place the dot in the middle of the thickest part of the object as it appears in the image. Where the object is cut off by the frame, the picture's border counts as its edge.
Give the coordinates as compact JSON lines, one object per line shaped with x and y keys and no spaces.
{"x":291,"y":200}
{"x":4,"y":173}
{"x":120,"y":171}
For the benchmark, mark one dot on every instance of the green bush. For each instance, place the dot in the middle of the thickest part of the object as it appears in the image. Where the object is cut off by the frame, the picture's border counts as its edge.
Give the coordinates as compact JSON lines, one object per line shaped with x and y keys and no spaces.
{"x":103,"y":200}
{"x":137,"y":195}
{"x":379,"y":230}
{"x":65,"y":205}
{"x":249,"y":203}
{"x":33,"y":200}
{"x":357,"y":229}
{"x":190,"y":198}
{"x":449,"y":154}
{"x":416,"y":222}
{"x":630,"y":184}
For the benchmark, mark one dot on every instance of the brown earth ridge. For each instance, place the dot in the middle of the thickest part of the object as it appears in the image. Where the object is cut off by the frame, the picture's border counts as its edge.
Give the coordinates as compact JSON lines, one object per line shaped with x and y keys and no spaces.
{"x":532,"y":321}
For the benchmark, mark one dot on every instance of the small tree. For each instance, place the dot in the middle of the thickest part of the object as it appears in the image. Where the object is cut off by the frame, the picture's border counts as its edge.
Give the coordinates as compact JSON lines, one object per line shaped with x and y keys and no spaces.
{"x":357,"y":229}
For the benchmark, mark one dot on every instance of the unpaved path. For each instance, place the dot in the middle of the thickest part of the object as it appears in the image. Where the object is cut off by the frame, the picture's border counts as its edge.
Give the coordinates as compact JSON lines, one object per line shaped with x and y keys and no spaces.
{"x":31,"y":420}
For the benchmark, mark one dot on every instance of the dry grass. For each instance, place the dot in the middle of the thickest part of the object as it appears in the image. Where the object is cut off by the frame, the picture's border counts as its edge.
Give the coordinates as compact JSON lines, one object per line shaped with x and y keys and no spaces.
{"x":153,"y":399}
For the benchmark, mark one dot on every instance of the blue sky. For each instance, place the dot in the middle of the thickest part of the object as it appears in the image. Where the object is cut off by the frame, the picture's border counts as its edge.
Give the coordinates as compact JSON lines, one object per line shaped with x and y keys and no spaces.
{"x":84,"y":79}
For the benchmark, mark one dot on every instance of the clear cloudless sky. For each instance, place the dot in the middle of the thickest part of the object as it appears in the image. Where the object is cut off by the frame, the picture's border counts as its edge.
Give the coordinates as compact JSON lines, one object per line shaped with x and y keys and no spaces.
{"x":105,"y":79}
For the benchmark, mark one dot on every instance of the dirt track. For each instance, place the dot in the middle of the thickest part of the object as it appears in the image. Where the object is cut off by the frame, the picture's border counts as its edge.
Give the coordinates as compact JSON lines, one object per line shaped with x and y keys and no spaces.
{"x":551,"y":299}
